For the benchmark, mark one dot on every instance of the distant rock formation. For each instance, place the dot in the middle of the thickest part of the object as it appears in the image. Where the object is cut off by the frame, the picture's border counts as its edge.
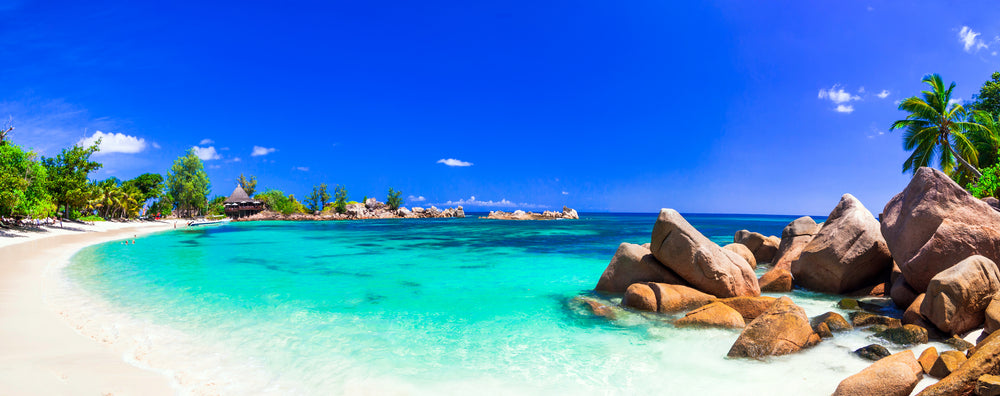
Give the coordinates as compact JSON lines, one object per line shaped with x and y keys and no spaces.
{"x":370,"y":209}
{"x":566,"y":213}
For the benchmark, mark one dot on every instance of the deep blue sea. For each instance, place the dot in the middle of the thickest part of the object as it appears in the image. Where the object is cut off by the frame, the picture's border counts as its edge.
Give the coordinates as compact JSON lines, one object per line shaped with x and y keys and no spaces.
{"x":431,"y":306}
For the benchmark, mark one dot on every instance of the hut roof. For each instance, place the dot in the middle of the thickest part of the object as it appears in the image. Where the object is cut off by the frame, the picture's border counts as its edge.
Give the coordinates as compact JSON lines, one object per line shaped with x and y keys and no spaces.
{"x":239,"y":195}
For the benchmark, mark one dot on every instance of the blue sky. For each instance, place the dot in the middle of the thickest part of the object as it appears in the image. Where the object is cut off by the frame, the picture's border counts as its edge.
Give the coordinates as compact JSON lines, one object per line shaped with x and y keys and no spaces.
{"x":730,"y":107}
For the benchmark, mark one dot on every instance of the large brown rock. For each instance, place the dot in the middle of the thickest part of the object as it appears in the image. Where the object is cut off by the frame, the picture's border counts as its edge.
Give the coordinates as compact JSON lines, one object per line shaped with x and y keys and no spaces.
{"x":992,"y":319}
{"x":927,"y":359}
{"x":663,"y":297}
{"x":962,"y":381}
{"x":782,"y":329}
{"x":947,"y":362}
{"x":698,"y":260}
{"x":895,"y":375}
{"x":634,"y":264}
{"x":749,"y":307}
{"x":934,"y":223}
{"x":912,"y":314}
{"x":957,"y":297}
{"x":834,"y":321}
{"x":794,"y":238}
{"x":847,"y":253}
{"x":777,"y":280}
{"x":715,"y":314}
{"x":743,"y":251}
{"x":902,"y":293}
{"x":763,"y":247}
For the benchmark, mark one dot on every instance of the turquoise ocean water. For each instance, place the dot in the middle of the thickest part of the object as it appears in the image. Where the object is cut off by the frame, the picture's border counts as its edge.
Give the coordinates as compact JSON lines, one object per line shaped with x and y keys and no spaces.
{"x":448,"y":306}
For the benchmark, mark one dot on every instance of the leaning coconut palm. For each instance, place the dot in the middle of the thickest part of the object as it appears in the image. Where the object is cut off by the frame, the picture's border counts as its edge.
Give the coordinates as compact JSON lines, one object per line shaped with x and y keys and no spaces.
{"x":936,"y":127}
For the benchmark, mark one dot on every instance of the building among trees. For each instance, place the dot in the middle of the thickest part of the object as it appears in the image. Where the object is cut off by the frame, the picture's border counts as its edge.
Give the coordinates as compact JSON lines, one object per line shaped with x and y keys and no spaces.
{"x":239,"y":204}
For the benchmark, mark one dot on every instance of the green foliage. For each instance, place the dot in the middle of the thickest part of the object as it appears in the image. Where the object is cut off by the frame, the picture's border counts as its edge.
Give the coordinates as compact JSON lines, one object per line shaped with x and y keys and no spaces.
{"x":278,"y":202}
{"x":188,"y":184}
{"x":161,"y":207}
{"x":936,"y":127}
{"x":988,"y":99}
{"x":23,"y":182}
{"x":92,"y":218}
{"x":148,"y":186}
{"x":987,"y":185}
{"x":248,"y":185}
{"x":316,"y":201}
{"x":68,"y":171}
{"x":340,"y":199}
{"x":394,"y":199}
{"x":217,"y":206}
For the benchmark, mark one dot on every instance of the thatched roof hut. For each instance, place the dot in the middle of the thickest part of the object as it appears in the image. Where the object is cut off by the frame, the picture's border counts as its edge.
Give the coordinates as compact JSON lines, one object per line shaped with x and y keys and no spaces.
{"x":239,"y":204}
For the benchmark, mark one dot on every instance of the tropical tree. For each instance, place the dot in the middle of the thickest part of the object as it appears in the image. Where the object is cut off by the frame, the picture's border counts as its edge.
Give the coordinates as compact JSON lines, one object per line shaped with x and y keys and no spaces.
{"x":5,"y":130}
{"x":394,"y":199}
{"x":188,"y":184}
{"x":340,"y":199}
{"x":248,"y":185}
{"x":23,"y":183}
{"x":316,"y":201}
{"x":988,"y":99}
{"x":937,"y":127}
{"x":68,"y":171}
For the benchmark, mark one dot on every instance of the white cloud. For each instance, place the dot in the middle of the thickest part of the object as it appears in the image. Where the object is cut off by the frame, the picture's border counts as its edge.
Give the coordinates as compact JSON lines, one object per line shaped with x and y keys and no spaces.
{"x":214,"y":166}
{"x":453,"y":162}
{"x":875,"y":131}
{"x":156,"y":145}
{"x":837,"y":95}
{"x":970,"y":40}
{"x":259,"y":151}
{"x":416,"y":199}
{"x":206,"y":153}
{"x":302,"y":168}
{"x":237,"y":159}
{"x":861,"y":90}
{"x":565,"y":193}
{"x":115,"y":143}
{"x":884,"y":94}
{"x":205,"y":142}
{"x":844,"y":109}
{"x":503,"y":203}
{"x":954,"y":100}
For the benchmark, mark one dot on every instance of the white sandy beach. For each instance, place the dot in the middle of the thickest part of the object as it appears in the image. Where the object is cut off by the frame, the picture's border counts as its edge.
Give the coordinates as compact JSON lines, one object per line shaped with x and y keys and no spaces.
{"x":42,"y":353}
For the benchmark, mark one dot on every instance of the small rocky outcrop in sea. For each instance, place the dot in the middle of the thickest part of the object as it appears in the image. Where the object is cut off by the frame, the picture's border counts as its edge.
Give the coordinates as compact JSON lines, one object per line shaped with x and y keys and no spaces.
{"x":847,"y":254}
{"x":567,"y":214}
{"x":634,"y":264}
{"x":370,"y":209}
{"x":763,"y":247}
{"x":782,"y":329}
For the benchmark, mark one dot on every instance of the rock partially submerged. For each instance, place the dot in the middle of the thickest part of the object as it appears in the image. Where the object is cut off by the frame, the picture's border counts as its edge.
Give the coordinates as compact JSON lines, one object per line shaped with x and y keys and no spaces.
{"x":784,"y":328}
{"x":698,"y":260}
{"x":962,"y":381}
{"x":634,"y":264}
{"x":715,"y":314}
{"x":895,"y":375}
{"x":763,"y":247}
{"x":847,"y":254}
{"x":662,"y":297}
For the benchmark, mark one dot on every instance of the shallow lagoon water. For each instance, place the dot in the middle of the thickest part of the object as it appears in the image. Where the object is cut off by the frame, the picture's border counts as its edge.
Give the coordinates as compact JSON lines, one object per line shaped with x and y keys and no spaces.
{"x":444,"y":306}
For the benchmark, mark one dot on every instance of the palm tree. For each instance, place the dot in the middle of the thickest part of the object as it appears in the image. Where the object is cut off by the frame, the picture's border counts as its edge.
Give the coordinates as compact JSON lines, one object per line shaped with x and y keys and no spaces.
{"x":936,"y":127}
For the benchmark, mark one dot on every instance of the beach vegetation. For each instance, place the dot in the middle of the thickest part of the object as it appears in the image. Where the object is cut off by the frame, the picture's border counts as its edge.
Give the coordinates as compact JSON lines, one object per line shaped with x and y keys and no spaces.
{"x":937,"y":127}
{"x":5,"y":130}
{"x":188,"y":185}
{"x":316,"y":201}
{"x":217,"y":206}
{"x":68,"y":177}
{"x":277,"y":201}
{"x":340,"y":199}
{"x":988,"y":98}
{"x":394,"y":199}
{"x":988,"y":184}
{"x":147,"y":185}
{"x":248,"y":185}
{"x":92,"y":218}
{"x":23,"y":180}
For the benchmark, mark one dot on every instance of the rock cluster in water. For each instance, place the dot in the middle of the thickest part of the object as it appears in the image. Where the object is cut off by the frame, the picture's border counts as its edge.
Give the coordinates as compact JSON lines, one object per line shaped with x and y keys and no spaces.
{"x":566,"y":213}
{"x":934,"y":253}
{"x":370,"y":209}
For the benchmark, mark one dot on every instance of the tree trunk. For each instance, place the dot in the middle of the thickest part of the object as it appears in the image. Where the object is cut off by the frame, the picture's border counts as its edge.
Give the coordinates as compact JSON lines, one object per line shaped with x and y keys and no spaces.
{"x":975,"y":172}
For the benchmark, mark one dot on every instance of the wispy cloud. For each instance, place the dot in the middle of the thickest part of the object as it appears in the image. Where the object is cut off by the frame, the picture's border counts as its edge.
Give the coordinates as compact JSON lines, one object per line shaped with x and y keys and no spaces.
{"x":503,"y":203}
{"x":970,"y":40}
{"x":114,"y":143}
{"x":453,"y":162}
{"x":837,"y":95}
{"x":206,"y":153}
{"x":47,"y":126}
{"x":844,"y":109}
{"x":565,"y":193}
{"x":875,"y":131}
{"x":259,"y":151}
{"x":206,"y":142}
{"x":884,"y":94}
{"x":302,"y":168}
{"x":416,"y":199}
